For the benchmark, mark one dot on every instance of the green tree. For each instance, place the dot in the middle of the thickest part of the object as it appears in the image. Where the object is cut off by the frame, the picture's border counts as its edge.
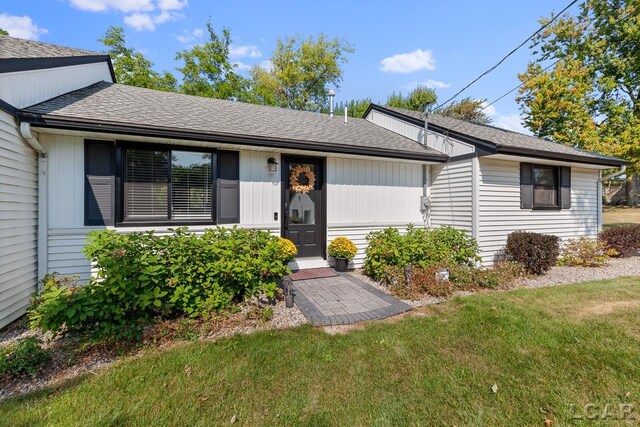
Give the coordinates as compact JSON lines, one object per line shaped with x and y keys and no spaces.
{"x":131,"y":67}
{"x":590,"y":96}
{"x":468,"y":109}
{"x":3,"y":32}
{"x":355,"y":107}
{"x":207,"y":70}
{"x":417,"y":100}
{"x":302,"y":71}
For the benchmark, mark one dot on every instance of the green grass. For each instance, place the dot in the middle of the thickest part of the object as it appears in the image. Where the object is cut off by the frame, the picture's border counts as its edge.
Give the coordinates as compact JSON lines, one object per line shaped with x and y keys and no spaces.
{"x":548,"y":350}
{"x":620,"y":215}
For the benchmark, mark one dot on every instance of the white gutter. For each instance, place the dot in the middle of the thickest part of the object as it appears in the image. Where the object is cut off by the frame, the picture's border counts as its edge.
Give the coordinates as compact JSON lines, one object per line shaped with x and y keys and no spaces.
{"x":43,"y":226}
{"x":619,"y":172}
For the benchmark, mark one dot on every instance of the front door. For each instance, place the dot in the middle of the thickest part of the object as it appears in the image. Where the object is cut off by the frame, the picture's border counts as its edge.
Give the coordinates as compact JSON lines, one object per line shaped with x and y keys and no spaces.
{"x":303,"y":204}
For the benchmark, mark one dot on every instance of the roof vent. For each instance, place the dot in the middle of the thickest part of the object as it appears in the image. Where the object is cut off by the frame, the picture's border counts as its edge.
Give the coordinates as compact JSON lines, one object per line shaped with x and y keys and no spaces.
{"x":332,"y":94}
{"x":345,"y":115}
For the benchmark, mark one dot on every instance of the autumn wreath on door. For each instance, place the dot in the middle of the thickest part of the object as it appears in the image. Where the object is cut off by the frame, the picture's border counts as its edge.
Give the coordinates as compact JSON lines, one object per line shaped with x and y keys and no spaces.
{"x":294,"y":179}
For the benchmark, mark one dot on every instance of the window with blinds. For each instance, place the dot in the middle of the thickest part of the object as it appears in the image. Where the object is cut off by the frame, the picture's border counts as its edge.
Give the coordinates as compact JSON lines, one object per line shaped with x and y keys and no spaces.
{"x":146,"y":184}
{"x":176,"y":186}
{"x":191,"y":185}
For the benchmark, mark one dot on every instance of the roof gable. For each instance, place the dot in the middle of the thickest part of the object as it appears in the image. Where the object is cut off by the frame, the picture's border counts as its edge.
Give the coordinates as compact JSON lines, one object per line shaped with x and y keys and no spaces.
{"x":497,"y":140}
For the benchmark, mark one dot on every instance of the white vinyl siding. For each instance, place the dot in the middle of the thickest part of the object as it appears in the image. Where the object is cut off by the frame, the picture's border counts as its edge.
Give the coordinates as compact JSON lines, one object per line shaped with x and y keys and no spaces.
{"x":452,"y":195}
{"x":260,"y":190}
{"x":24,"y":88}
{"x":18,"y":221}
{"x":500,"y":212}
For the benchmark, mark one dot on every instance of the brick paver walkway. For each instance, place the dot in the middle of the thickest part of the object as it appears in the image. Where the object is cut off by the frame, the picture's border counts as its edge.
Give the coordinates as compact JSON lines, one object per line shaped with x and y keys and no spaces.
{"x":342,"y":300}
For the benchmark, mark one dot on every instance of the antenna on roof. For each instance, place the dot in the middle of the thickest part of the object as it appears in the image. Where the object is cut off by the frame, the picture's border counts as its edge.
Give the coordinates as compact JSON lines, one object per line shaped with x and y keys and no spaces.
{"x":332,"y":94}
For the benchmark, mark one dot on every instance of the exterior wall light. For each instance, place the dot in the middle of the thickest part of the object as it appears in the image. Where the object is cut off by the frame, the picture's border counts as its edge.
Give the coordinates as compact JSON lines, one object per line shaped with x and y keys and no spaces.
{"x":273,"y":165}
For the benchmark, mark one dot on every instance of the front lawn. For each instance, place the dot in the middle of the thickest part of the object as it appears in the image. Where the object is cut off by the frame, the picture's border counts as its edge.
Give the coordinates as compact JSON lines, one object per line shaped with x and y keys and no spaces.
{"x":549,"y":352}
{"x":620,"y":215}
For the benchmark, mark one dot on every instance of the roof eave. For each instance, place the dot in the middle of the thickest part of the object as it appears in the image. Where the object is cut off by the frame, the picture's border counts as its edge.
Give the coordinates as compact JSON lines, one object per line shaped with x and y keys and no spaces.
{"x":497,"y":148}
{"x":10,"y":65}
{"x":57,"y":122}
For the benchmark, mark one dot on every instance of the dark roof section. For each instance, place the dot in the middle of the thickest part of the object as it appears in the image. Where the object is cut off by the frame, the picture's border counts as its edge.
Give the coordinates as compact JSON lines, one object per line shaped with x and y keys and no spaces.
{"x":500,"y":140}
{"x":12,"y":47}
{"x":22,"y":55}
{"x":124,"y":109}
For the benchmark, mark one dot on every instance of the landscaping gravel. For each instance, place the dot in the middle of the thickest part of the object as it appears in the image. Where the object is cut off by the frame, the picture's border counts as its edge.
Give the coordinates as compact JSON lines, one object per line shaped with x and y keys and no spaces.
{"x":617,"y":267}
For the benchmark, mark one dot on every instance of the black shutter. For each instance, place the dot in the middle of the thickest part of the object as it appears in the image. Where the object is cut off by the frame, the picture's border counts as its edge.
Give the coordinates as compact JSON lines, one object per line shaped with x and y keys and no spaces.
{"x":526,"y":186}
{"x":565,"y":187}
{"x":99,"y":185}
{"x":228,"y":197}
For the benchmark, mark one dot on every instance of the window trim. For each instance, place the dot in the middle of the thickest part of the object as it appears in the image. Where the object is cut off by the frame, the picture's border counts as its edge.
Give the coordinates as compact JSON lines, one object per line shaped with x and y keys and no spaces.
{"x":556,"y":171}
{"x":122,"y":146}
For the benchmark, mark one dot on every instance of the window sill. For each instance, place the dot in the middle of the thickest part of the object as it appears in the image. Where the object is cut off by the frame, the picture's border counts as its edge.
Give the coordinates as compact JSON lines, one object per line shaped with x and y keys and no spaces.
{"x":546,"y":208}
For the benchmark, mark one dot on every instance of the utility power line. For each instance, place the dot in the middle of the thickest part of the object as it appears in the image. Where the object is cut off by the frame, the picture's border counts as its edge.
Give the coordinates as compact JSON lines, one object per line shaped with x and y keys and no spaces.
{"x":507,"y":55}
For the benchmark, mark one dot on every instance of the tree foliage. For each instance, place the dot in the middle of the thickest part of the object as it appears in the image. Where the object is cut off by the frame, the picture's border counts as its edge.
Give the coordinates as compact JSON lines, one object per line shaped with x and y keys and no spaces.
{"x":590,"y":96}
{"x":417,"y":100}
{"x":302,"y":72}
{"x":3,"y":32}
{"x":131,"y":67}
{"x":468,"y":109}
{"x":207,"y":70}
{"x":355,"y":107}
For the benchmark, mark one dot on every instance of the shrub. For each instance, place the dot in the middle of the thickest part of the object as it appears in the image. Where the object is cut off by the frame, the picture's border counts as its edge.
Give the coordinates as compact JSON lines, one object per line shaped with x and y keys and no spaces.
{"x":625,"y":239}
{"x":342,"y":247}
{"x":25,"y":356}
{"x":417,"y":248}
{"x":141,"y":276}
{"x":425,"y":281}
{"x":536,"y":252}
{"x":586,"y":253}
{"x":288,"y":250}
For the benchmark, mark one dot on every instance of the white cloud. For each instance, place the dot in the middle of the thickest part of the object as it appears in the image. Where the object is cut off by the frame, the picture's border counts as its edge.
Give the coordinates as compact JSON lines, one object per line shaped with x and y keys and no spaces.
{"x":142,"y":14}
{"x":409,"y":62}
{"x":511,"y":122}
{"x":242,"y":66}
{"x":248,"y":50}
{"x":489,"y":110}
{"x":188,"y":37}
{"x":21,"y":27}
{"x":433,"y":84}
{"x":140,"y":21}
{"x":119,"y":5}
{"x":172,"y":4}
{"x":267,"y":65}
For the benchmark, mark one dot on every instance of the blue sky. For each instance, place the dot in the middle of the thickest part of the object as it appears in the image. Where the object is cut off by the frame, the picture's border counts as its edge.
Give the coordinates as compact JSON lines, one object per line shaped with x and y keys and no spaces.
{"x":444,"y":44}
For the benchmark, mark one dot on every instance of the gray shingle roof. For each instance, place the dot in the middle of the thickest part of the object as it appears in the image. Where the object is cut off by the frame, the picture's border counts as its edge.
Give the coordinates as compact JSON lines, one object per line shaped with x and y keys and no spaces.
{"x":121,"y":105}
{"x":12,"y":47}
{"x":504,"y":140}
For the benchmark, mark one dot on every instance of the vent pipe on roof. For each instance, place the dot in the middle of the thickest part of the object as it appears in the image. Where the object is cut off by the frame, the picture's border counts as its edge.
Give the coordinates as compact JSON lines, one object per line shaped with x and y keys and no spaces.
{"x":345,"y":115}
{"x":332,"y":94}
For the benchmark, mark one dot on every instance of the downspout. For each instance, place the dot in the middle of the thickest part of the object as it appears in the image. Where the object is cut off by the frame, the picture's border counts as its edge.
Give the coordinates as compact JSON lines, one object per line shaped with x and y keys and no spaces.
{"x":426,"y":174}
{"x":619,"y":172}
{"x":30,"y":137}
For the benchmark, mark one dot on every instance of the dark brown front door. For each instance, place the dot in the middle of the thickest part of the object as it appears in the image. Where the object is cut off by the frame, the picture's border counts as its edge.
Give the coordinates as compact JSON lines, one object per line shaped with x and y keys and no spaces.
{"x":303,"y":204}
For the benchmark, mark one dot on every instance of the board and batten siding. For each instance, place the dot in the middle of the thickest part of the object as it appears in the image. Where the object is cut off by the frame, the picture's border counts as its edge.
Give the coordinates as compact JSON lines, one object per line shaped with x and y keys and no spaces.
{"x":452,"y":195}
{"x":18,"y":221}
{"x":500,"y":213}
{"x":369,"y":195}
{"x":259,"y":199}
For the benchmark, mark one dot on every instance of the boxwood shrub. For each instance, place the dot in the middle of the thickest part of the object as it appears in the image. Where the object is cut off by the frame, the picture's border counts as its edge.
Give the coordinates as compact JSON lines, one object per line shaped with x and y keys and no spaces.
{"x":388,"y":250}
{"x":536,"y":252}
{"x":142,"y":275}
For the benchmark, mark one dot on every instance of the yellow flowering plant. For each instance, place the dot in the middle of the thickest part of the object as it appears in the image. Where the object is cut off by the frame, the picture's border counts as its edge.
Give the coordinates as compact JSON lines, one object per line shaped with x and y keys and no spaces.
{"x":342,"y":247}
{"x":287,"y":249}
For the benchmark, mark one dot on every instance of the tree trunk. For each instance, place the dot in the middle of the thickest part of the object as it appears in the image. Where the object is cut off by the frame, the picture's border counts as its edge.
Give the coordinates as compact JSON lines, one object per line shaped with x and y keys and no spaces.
{"x":633,"y":190}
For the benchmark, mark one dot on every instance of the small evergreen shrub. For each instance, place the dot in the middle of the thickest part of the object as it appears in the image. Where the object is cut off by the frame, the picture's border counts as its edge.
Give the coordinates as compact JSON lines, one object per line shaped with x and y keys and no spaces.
{"x":625,"y":239}
{"x":389,"y":251}
{"x":536,"y":252}
{"x":585,"y":252}
{"x":342,"y":247}
{"x":24,"y":357}
{"x":142,"y":276}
